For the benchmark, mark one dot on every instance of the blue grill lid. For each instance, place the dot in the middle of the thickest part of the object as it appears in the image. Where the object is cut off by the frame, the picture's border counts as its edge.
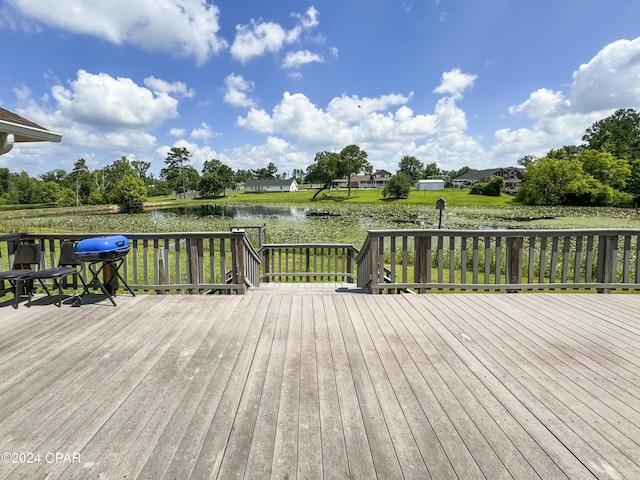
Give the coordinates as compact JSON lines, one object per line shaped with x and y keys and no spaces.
{"x":112,"y":243}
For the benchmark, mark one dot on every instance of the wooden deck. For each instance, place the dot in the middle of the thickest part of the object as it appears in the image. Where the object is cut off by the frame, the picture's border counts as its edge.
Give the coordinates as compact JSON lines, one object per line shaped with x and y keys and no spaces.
{"x":309,"y":385}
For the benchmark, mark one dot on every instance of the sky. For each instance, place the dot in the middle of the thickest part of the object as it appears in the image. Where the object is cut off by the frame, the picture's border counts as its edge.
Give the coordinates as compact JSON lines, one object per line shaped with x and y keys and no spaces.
{"x":476,"y":83}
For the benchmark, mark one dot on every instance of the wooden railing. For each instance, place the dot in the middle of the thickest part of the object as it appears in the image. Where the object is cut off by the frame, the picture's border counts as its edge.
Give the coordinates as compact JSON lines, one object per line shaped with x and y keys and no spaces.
{"x":390,"y":260}
{"x":186,"y":262}
{"x":511,"y":260}
{"x":308,"y":263}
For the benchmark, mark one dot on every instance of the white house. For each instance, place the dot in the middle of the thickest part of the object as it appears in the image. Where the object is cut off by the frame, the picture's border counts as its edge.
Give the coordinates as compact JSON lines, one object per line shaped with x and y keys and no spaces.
{"x":264,"y":186}
{"x":434,"y":184}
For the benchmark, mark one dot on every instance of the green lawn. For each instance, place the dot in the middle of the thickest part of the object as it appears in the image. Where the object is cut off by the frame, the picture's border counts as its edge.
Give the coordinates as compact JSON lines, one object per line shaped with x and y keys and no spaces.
{"x":453,"y":197}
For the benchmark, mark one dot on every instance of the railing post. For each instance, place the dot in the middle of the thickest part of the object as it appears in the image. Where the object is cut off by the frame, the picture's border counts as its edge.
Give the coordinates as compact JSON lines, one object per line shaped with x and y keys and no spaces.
{"x":266,"y":253}
{"x":349,"y":265}
{"x":161,"y":271}
{"x":193,"y":265}
{"x":514,"y":259}
{"x":607,"y":261}
{"x":421,"y":262}
{"x":240,"y":273}
{"x":375,"y":274}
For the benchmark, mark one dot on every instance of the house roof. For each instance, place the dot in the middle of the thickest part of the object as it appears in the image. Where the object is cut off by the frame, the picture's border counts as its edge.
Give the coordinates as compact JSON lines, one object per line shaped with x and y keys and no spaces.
{"x":490,"y":172}
{"x":25,"y":130}
{"x":269,"y":183}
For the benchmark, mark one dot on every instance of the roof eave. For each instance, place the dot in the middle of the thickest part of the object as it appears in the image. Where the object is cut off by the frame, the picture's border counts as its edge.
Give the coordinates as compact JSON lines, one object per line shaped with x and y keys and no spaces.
{"x":23,"y":133}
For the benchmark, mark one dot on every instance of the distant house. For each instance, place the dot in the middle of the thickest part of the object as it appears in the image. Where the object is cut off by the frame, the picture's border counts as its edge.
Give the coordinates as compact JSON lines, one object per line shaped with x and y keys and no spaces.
{"x":377,"y":179}
{"x":512,"y":177}
{"x":381,"y":178}
{"x":430,"y":184}
{"x":264,"y":186}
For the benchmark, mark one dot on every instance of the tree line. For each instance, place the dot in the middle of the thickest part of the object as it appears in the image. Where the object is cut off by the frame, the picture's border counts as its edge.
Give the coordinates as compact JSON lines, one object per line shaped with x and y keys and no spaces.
{"x":603,"y":171}
{"x":126,"y":181}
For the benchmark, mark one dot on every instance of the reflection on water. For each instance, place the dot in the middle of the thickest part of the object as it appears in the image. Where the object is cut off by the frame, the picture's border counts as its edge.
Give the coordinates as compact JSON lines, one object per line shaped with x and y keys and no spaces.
{"x":240,"y":212}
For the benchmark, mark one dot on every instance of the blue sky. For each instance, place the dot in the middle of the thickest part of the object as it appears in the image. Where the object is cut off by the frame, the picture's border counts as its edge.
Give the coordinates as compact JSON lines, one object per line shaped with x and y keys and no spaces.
{"x":455,"y":82}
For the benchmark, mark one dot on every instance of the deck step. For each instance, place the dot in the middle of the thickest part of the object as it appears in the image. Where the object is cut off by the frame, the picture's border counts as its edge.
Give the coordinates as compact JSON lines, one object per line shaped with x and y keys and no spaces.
{"x":306,"y":288}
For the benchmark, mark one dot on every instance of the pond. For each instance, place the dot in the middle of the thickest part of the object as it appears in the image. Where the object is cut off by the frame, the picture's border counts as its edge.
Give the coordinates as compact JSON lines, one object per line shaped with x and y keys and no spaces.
{"x":344,"y":223}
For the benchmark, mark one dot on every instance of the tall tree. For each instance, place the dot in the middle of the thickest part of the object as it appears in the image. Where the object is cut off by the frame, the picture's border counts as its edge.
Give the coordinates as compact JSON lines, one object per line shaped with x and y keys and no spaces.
{"x":526,"y":160}
{"x":324,"y":170}
{"x":298,"y":175}
{"x":121,"y":183}
{"x":242,"y":175}
{"x":58,"y":175}
{"x":174,"y":172}
{"x":216,"y":177}
{"x":79,"y":180}
{"x":140,"y":167}
{"x":21,"y":188}
{"x":128,"y":191}
{"x":411,"y":166}
{"x":549,"y":181}
{"x":618,"y":134}
{"x":268,"y":173}
{"x":431,"y":170}
{"x":456,"y":173}
{"x":5,"y":175}
{"x":353,"y":161}
{"x":605,"y":168}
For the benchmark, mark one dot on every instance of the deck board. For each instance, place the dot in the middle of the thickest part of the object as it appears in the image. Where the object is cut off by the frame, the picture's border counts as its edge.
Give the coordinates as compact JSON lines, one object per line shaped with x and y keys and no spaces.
{"x":304,"y":383}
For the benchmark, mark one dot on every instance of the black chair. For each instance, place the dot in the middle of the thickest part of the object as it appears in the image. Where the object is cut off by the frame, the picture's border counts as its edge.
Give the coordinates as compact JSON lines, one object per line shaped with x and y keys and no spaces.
{"x":25,"y":263}
{"x":68,"y":264}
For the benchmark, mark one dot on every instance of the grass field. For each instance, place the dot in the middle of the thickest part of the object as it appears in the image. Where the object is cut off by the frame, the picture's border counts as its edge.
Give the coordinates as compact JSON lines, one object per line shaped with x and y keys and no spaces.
{"x":453,"y":196}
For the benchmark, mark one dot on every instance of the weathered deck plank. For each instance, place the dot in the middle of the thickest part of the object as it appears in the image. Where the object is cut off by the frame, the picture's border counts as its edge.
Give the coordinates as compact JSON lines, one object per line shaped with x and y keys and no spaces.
{"x":313,"y":384}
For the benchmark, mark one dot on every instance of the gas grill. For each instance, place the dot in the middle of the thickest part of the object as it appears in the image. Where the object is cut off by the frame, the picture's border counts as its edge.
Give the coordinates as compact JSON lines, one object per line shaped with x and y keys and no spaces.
{"x":100,"y":252}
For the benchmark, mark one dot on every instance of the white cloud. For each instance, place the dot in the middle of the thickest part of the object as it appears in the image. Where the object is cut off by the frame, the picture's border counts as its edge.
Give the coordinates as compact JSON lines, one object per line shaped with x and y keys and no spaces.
{"x":105,"y":102}
{"x":177,"y":132}
{"x":299,"y":58}
{"x":609,"y":81}
{"x":204,"y":132}
{"x":373,"y":123}
{"x":258,"y":38}
{"x":236,"y":91}
{"x":159,"y":86}
{"x":541,"y":103}
{"x":353,"y":108}
{"x":187,"y":28}
{"x":283,"y":154}
{"x":311,"y":19}
{"x":454,"y":82}
{"x":96,"y":115}
{"x":297,"y":117}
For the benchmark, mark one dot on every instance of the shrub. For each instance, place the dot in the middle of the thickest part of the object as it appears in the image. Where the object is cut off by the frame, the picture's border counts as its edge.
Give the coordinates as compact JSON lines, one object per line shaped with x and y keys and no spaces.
{"x":398,"y":187}
{"x":492,"y":188}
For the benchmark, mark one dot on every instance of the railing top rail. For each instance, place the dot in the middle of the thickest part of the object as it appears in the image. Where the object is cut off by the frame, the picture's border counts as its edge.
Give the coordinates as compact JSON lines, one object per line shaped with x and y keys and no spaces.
{"x":309,"y":245}
{"x":504,"y":232}
{"x":137,"y":235}
{"x":10,"y":236}
{"x":251,"y":249}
